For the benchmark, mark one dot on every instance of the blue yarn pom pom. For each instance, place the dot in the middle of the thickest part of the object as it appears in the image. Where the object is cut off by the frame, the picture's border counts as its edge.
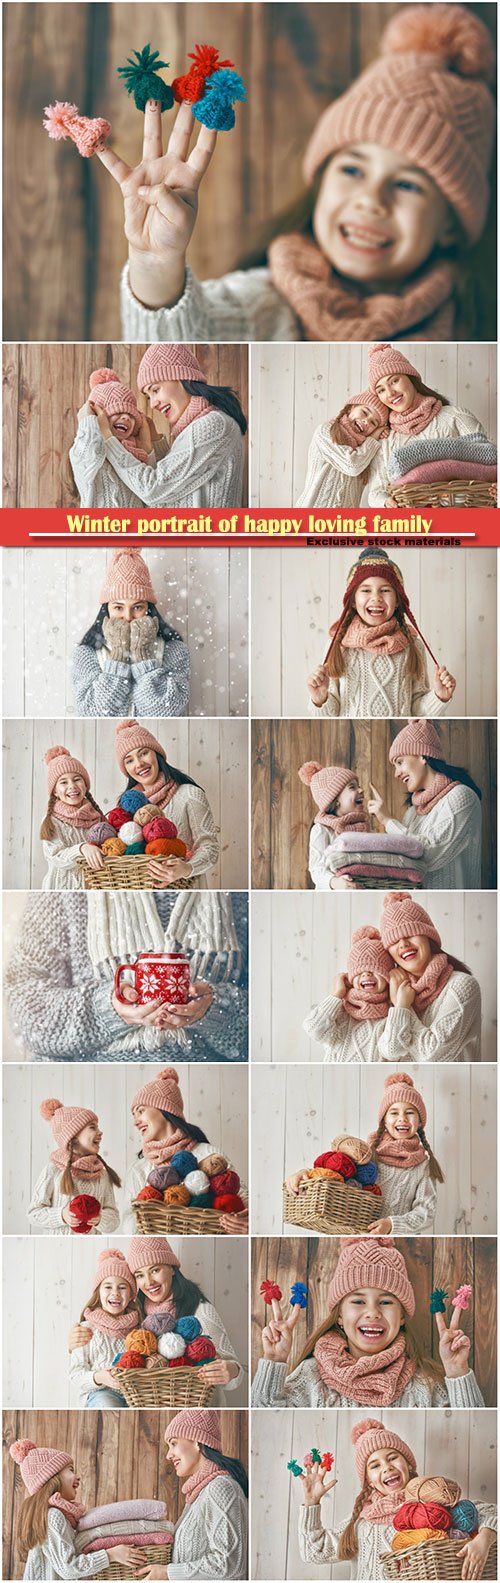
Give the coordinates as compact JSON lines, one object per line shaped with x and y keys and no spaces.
{"x":367,"y":1173}
{"x":465,"y":1516}
{"x":184,"y":1162}
{"x":188,"y":1327}
{"x":215,"y":108}
{"x":131,"y":800}
{"x":298,"y":1294}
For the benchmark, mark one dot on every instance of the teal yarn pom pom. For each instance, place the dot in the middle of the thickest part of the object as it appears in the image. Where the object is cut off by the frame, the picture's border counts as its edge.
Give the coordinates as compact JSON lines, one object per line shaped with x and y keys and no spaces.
{"x":215,"y":108}
{"x":140,"y":78}
{"x":293,"y":1467}
{"x":437,"y":1303}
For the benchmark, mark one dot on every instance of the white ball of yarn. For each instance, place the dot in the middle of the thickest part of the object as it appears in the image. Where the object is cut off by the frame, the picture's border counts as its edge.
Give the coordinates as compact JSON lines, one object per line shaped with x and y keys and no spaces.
{"x":196,"y":1182}
{"x":171,"y":1346}
{"x":128,"y":832}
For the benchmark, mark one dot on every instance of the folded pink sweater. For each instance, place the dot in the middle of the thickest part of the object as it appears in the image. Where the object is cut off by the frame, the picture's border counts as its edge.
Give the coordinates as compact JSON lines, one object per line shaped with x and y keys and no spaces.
{"x":476,"y":472}
{"x":372,"y":871}
{"x":127,"y":1539}
{"x":367,"y":841}
{"x":121,"y":1511}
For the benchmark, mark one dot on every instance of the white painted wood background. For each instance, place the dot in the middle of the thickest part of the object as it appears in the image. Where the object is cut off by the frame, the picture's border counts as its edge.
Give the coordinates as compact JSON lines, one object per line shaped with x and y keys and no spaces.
{"x":296,"y":387}
{"x":213,"y":752}
{"x":215,"y":1099}
{"x":458,"y":1445}
{"x":297,"y":594}
{"x":48,"y":1283}
{"x":300,"y":942}
{"x":51,"y":598}
{"x":296,"y":1111}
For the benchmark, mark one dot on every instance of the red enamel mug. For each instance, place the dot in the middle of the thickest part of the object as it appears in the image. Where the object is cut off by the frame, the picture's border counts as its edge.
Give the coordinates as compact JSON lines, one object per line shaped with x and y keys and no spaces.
{"x":156,"y":975}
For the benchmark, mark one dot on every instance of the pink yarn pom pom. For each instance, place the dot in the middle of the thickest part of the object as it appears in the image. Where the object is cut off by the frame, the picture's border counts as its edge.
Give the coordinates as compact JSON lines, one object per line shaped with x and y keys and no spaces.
{"x":62,"y":120}
{"x":461,"y":1300}
{"x":48,"y":1108}
{"x":307,"y":1460}
{"x":20,"y":1449}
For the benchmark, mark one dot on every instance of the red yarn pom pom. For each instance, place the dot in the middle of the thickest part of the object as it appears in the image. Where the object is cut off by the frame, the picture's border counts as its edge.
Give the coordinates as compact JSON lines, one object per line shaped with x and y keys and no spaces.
{"x":270,"y":1291}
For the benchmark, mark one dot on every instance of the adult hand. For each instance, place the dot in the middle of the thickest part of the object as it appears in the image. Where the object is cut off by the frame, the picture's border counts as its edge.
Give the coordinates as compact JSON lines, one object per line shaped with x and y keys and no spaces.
{"x":293,"y":1182}
{"x":444,"y":683}
{"x":376,"y":806}
{"x":454,"y":1346}
{"x":127,"y":1556}
{"x":342,"y":882}
{"x":390,"y":501}
{"x":318,"y":685}
{"x":475,"y":1553}
{"x":380,"y":1228}
{"x":154,"y":1571}
{"x":133,"y":1014}
{"x":277,"y":1335}
{"x":146,"y":432}
{"x":200,"y":1000}
{"x":340,"y":986}
{"x":92,"y":854}
{"x":117,"y":637}
{"x":79,"y":1336}
{"x":165,"y":871}
{"x":219,"y":1372}
{"x":315,"y":1484}
{"x":235,"y":1225}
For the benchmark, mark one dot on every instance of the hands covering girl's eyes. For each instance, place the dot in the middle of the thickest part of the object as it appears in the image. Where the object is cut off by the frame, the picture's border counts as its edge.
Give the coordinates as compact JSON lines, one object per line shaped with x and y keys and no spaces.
{"x":401,"y":991}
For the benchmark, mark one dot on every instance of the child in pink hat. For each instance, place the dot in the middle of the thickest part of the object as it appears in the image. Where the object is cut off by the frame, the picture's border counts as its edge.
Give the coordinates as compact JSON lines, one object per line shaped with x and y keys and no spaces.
{"x":111,"y":1314}
{"x":341,"y":451}
{"x":158,"y":1114}
{"x":130,"y":660}
{"x":364,"y":1353}
{"x":72,"y":814}
{"x":435,"y":1011}
{"x":141,"y":759}
{"x":443,"y":808}
{"x":407,"y":1168}
{"x":425,"y":431}
{"x":75,"y":1167}
{"x":340,"y":803}
{"x":351,"y":1020}
{"x":51,"y":1506}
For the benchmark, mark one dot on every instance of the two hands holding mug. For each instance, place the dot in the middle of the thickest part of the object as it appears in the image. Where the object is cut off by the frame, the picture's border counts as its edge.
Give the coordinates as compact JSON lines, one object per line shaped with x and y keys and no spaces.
{"x":161,"y":995}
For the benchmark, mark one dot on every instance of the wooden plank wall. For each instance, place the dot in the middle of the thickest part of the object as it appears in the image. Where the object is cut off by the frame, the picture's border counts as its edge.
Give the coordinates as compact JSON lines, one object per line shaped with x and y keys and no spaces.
{"x":52,"y":597}
{"x":283,"y":809}
{"x":296,"y":387}
{"x":300,"y":942}
{"x":431,"y":1261}
{"x":48,"y":1282}
{"x":215,"y":1099}
{"x":213,"y":752}
{"x":43,"y":390}
{"x":461,"y":1445}
{"x":295,"y":598}
{"x":296,"y":1111}
{"x":119,"y":1456}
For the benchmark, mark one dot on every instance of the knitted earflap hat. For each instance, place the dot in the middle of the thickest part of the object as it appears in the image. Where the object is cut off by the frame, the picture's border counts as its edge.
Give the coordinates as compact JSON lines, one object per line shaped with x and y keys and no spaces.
{"x":147,"y":1252}
{"x":109,"y":393}
{"x":403,"y":918}
{"x":373,"y":1261}
{"x":426,"y":98}
{"x":375,"y":563}
{"x":367,"y":952}
{"x":127,"y":577}
{"x":384,"y":359}
{"x":162,"y":1093}
{"x":370,"y":1435}
{"x":38,"y":1464}
{"x":66,"y":1121}
{"x":325,"y":782}
{"x":202,"y":1426}
{"x":60,"y":762}
{"x":113,"y":1263}
{"x":399,"y":1090}
{"x":419,"y":739}
{"x":167,"y":360}
{"x":131,"y":735}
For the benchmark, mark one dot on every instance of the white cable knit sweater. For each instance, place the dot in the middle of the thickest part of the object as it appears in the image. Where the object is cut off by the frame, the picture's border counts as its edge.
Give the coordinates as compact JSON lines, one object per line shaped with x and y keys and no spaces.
{"x":447,"y":1030}
{"x":100,"y":1351}
{"x":210,"y":1539}
{"x":319,"y":1546}
{"x":449,"y":423}
{"x":47,"y":1202}
{"x":375,"y":686}
{"x":343,"y":1038}
{"x":203,"y":468}
{"x":57,"y":1557}
{"x":190,"y":810}
{"x":304,"y":1387}
{"x":97,"y":482}
{"x":334,"y":471}
{"x":241,"y":306}
{"x":451,"y":838}
{"x":408,"y":1199}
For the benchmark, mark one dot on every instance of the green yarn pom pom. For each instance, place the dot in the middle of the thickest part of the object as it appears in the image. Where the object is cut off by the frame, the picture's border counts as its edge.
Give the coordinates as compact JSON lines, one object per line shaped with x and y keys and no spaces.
{"x":295,"y":1468}
{"x":437,"y":1303}
{"x":316,"y":1455}
{"x":140,"y":78}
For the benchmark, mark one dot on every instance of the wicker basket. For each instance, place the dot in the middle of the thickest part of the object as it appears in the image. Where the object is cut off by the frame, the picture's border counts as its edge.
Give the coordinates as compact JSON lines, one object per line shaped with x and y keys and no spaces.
{"x":155,"y":1219}
{"x":160,"y":1553}
{"x":125,"y":873}
{"x":182,"y":1387}
{"x":432,"y":1561}
{"x":455,"y":492}
{"x":326,"y":1206}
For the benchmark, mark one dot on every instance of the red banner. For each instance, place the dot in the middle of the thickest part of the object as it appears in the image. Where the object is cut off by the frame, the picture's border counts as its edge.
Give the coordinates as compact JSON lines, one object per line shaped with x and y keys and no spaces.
{"x":425,"y":527}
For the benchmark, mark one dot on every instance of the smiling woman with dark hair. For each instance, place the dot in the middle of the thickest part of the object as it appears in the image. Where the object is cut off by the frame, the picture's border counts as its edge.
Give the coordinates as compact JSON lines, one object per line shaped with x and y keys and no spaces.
{"x":130,"y":659}
{"x":444,"y":809}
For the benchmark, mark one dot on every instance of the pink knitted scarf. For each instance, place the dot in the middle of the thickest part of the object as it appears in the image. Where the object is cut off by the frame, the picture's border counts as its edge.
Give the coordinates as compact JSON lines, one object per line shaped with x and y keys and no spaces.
{"x":195,"y":409}
{"x":363,"y":1004}
{"x":132,"y":446}
{"x":161,"y":791}
{"x":165,"y":1306}
{"x":401,"y":1152}
{"x":381,"y":1508}
{"x":418,"y":416}
{"x":431,"y":981}
{"x":341,"y":822}
{"x":330,"y":309}
{"x":112,"y":1324}
{"x":386,"y":638}
{"x":161,"y":1150}
{"x":81,"y":818}
{"x":368,"y":1382}
{"x":426,"y":799}
{"x":198,"y":1481}
{"x":87,"y":1166}
{"x":73,"y":1510}
{"x":352,"y":434}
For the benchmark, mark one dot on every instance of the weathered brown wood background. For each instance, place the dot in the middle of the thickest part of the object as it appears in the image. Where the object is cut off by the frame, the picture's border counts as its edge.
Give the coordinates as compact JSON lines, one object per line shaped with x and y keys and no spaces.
{"x":43,"y":390}
{"x":447,"y":1262}
{"x":283,"y":809}
{"x":118,"y":1456}
{"x":63,"y":233}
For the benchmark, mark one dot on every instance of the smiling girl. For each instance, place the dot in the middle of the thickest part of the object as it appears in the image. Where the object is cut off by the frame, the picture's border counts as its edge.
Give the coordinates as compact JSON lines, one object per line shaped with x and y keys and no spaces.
{"x":74,"y":1167}
{"x":413,"y":409}
{"x":94,"y":477}
{"x":142,"y":760}
{"x":376,"y":665}
{"x":110,"y":1314}
{"x":341,"y":806}
{"x":351,"y":1020}
{"x":435,"y":1011}
{"x":365,"y":1353}
{"x":71,"y":811}
{"x":130,"y":658}
{"x":408,"y":1170}
{"x":50,"y":1515}
{"x":341,"y":451}
{"x":158,"y":1114}
{"x":444,"y":808}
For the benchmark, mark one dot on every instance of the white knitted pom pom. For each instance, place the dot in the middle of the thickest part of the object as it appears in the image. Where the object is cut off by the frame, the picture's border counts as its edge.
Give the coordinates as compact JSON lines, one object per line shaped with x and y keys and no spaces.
{"x":196,"y":1182}
{"x":171,"y":1346}
{"x":128,"y":832}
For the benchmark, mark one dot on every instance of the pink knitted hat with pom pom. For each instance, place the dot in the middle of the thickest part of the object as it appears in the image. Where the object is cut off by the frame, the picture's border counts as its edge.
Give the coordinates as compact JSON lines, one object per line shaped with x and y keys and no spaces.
{"x":370,"y":1435}
{"x":163,"y":1093}
{"x":403,"y":918}
{"x":127,"y":577}
{"x":399,"y":1090}
{"x":113,"y":1263}
{"x":384,"y":359}
{"x":144,"y":1252}
{"x":109,"y":393}
{"x":419,"y":739}
{"x":60,"y":762}
{"x":373,"y":1261}
{"x":38,"y":1464}
{"x":196,"y":1425}
{"x":66,"y":1120}
{"x":131,"y":735}
{"x":326,"y":782}
{"x":368,"y":953}
{"x":167,"y":360}
{"x":425,"y":98}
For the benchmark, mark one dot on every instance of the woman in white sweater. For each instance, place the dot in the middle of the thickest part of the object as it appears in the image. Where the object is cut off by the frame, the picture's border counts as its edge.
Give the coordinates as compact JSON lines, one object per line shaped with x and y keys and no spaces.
{"x":444,"y":809}
{"x":74,"y":1167}
{"x":210,"y":1537}
{"x":341,"y":451}
{"x":414,"y":410}
{"x":142,"y":760}
{"x":435,"y":1011}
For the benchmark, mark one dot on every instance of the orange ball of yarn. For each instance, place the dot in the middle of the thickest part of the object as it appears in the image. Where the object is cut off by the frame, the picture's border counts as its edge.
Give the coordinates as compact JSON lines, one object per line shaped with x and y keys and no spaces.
{"x":163,"y":848}
{"x":416,"y":1536}
{"x":151,"y":1193}
{"x":322,"y":1172}
{"x":113,"y":847}
{"x":142,"y":1341}
{"x":177,"y":1194}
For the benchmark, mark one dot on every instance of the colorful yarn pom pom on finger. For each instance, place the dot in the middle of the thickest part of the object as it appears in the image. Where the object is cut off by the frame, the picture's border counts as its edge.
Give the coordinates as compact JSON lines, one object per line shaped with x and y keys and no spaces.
{"x":298,"y":1295}
{"x":206,"y":61}
{"x":308,"y":1460}
{"x":215,"y":108}
{"x":327,"y":1461}
{"x":270,"y":1292}
{"x":462,"y":1297}
{"x":140,"y":78}
{"x":438,"y":1301}
{"x":293,"y":1467}
{"x":316,"y":1455}
{"x":62,"y":120}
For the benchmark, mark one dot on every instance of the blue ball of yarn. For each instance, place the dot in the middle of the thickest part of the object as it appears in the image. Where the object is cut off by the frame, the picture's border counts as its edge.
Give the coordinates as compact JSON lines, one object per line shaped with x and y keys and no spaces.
{"x":184,"y":1162}
{"x":201,"y":1201}
{"x":367,"y":1173}
{"x":188,"y":1327}
{"x":465,"y":1516}
{"x":135,"y":849}
{"x":132,"y":800}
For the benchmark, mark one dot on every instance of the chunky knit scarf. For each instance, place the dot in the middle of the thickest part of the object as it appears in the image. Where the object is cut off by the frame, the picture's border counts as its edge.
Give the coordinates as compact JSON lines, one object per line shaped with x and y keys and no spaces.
{"x":363,"y":1004}
{"x":431,"y":981}
{"x":331,"y":310}
{"x":161,"y":792}
{"x":87,"y":1166}
{"x":73,"y":1510}
{"x":81,"y":818}
{"x":426,"y":799}
{"x":353,"y":437}
{"x":131,"y":445}
{"x":381,"y":1508}
{"x":401,"y":1152}
{"x":341,"y":822}
{"x":161,"y":1150}
{"x":368,"y":1382}
{"x":195,"y":409}
{"x":112,"y":1324}
{"x":418,"y":416}
{"x":386,"y":638}
{"x":198,"y":1481}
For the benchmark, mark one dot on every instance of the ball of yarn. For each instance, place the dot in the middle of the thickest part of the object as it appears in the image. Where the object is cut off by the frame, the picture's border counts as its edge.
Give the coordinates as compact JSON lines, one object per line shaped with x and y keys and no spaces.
{"x":166,"y":848}
{"x":334,"y":1160}
{"x":189,"y":1327}
{"x":128,"y":832}
{"x":102,"y":831}
{"x":465,"y":1516}
{"x":132,"y":1360}
{"x":135,"y":848}
{"x":196,"y":1182}
{"x":177,"y":1195}
{"x":132,"y":800}
{"x":202,"y":1201}
{"x":142,"y":1341}
{"x":356,"y":1148}
{"x":320,"y":1172}
{"x":200,"y":1350}
{"x":183,"y":1162}
{"x":416,"y":1536}
{"x":372,"y":1187}
{"x":159,"y":1324}
{"x":117,"y":818}
{"x":159,"y":829}
{"x":225,"y":1182}
{"x":177,"y":1363}
{"x":421,"y":1514}
{"x":433,"y":1488}
{"x":213,"y":1164}
{"x":84,"y":1206}
{"x":144,"y":815}
{"x":367,"y":1173}
{"x":170,"y":1345}
{"x":114,"y":847}
{"x":228,"y":1204}
{"x":151,"y":1193}
{"x":163,"y":1176}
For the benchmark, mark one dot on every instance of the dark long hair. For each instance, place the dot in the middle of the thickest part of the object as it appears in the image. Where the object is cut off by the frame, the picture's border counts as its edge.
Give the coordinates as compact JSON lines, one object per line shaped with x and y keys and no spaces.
{"x":178,"y":1121}
{"x":94,"y":638}
{"x":186,"y":1294}
{"x":220,"y":396}
{"x":231,"y":1465}
{"x":455,"y":772}
{"x":168,"y":771}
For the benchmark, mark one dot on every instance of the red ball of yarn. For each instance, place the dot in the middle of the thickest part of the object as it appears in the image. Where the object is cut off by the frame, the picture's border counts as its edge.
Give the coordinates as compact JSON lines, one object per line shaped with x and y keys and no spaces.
{"x":151,"y":1193}
{"x":422,"y":1514}
{"x":177,"y":1363}
{"x":372,"y":1187}
{"x":334,"y":1160}
{"x":164,"y":848}
{"x":159,"y":830}
{"x":200,"y":1350}
{"x":132,"y":1360}
{"x":117,"y":817}
{"x":225,"y":1182}
{"x":84,"y":1206}
{"x":229,"y":1204}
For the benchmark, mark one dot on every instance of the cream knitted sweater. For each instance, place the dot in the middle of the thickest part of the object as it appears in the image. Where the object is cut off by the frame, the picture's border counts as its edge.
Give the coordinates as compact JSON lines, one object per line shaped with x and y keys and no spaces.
{"x":57,"y":1557}
{"x":319,"y":1546}
{"x":241,"y":306}
{"x":97,"y":482}
{"x":333,"y":475}
{"x":408,"y":1199}
{"x":210,"y":1539}
{"x":99,"y":1353}
{"x":449,"y":423}
{"x":48,"y":1202}
{"x":304,"y":1387}
{"x":375,"y":686}
{"x":343,"y":1038}
{"x":203,"y":468}
{"x":447,"y":1030}
{"x":451,"y":838}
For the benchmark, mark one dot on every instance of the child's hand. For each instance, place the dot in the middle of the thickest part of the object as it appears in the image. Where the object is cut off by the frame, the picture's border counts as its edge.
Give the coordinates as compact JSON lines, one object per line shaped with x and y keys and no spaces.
{"x":92,"y":854}
{"x":104,"y":423}
{"x":69,"y":1219}
{"x":107,"y":1378}
{"x":376,"y":806}
{"x":293,"y":1182}
{"x":340,"y":986}
{"x":315,"y":1484}
{"x":493,"y":491}
{"x":164,"y":871}
{"x":444,"y":684}
{"x":277,"y":1335}
{"x":380,"y":1228}
{"x":342,"y":882}
{"x":318,"y":685}
{"x":454,"y":1346}
{"x":161,"y":203}
{"x":475,"y":1552}
{"x":400,"y":990}
{"x":390,"y":501}
{"x":128,"y":1556}
{"x":87,"y":411}
{"x":79,"y":1336}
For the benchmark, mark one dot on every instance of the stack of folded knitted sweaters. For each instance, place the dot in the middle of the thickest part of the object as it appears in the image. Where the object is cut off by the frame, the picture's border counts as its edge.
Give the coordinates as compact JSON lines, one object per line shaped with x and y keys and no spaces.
{"x":381,"y":861}
{"x":419,"y":460}
{"x":138,"y":1522}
